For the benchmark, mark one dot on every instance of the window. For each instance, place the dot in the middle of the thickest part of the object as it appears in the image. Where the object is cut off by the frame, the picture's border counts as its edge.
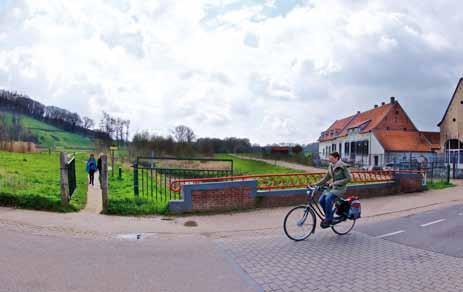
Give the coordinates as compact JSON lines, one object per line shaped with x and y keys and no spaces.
{"x":340,"y":148}
{"x":346,"y":148}
{"x":361,"y":148}
{"x":396,"y":112}
{"x":358,"y":148}
{"x":405,"y":129}
{"x":333,"y":147}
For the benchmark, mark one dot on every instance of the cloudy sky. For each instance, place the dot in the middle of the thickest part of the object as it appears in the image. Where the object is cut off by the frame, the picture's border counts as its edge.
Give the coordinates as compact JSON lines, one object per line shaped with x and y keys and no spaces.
{"x":270,"y":70}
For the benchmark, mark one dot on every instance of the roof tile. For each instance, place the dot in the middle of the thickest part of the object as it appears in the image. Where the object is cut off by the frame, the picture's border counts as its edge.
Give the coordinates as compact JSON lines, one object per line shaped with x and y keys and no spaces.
{"x":403,"y":141}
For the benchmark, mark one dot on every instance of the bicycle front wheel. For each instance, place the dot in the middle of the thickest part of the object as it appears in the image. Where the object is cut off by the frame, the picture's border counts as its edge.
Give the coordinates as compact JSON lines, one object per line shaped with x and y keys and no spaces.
{"x":343,"y":227}
{"x":300,"y":223}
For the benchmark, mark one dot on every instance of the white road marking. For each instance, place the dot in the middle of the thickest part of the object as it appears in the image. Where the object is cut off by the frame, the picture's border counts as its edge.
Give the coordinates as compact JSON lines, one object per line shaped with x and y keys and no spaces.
{"x":390,"y":234}
{"x":433,"y":222}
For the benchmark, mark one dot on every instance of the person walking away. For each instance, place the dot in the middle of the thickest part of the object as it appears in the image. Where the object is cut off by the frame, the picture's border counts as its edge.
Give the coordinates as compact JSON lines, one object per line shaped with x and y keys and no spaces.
{"x":340,"y":176}
{"x":91,"y":168}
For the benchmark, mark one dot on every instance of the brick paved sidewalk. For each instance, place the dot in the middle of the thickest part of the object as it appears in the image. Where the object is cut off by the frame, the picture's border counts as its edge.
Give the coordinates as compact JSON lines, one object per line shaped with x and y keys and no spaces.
{"x":356,"y":262}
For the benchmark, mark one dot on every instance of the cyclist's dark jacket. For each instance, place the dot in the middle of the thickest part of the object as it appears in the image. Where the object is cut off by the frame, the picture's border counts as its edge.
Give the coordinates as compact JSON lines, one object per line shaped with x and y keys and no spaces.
{"x":340,"y":175}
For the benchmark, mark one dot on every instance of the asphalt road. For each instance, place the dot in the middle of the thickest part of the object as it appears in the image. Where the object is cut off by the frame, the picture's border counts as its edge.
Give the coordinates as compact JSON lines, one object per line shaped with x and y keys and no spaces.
{"x":47,"y":263}
{"x":439,"y":230}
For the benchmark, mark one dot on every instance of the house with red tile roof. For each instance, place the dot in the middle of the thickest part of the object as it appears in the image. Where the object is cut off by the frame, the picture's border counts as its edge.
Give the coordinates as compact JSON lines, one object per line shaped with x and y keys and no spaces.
{"x":378,"y":136}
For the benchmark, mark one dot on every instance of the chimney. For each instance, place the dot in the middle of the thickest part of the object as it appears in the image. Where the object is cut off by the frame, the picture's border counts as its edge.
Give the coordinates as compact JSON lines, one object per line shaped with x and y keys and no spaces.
{"x":358,"y":112}
{"x":392,"y":99}
{"x":376,"y":106}
{"x":383,"y":103}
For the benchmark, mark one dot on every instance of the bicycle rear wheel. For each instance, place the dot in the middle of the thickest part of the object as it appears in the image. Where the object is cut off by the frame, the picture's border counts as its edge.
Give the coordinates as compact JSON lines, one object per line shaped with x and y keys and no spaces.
{"x":343,"y":227}
{"x":299,"y":223}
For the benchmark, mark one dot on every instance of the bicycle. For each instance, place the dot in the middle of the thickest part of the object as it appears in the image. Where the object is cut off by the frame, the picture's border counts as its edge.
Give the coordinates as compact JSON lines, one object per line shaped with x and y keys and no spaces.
{"x":304,"y":216}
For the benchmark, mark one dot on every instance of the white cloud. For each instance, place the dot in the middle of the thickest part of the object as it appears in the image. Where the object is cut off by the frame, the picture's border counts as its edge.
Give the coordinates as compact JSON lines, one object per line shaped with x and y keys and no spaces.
{"x":266,"y":70}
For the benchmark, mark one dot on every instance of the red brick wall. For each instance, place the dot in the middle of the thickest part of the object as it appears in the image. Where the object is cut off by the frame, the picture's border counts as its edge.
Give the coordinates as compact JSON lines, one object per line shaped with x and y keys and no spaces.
{"x":397,"y":121}
{"x":222,"y":199}
{"x":410,"y":183}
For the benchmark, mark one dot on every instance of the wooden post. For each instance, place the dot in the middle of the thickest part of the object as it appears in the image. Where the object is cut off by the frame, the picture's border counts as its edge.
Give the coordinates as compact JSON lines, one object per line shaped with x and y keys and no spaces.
{"x":64,"y":180}
{"x":104,"y":181}
{"x":135,"y":179}
{"x":112,"y":163}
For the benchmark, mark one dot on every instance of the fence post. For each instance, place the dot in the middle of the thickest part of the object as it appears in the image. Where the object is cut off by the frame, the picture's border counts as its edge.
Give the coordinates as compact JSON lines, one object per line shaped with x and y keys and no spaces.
{"x":432,"y":172}
{"x":135,"y":179}
{"x":454,"y":169}
{"x":448,"y":173}
{"x":64,"y":180}
{"x":104,"y":181}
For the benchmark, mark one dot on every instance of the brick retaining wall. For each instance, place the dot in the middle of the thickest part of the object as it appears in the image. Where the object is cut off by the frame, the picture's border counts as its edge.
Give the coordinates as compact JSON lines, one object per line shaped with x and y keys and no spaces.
{"x":239,"y":195}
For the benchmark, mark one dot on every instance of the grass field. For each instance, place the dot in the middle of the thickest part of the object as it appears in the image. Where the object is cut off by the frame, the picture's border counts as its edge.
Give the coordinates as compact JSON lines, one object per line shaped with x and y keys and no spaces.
{"x":31,"y":181}
{"x":438,"y":185}
{"x":250,"y":167}
{"x":50,"y":136}
{"x":122,"y":200}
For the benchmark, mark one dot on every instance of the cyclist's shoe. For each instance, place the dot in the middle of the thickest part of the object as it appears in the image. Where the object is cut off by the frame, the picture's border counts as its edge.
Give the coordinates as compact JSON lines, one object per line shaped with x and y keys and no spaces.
{"x":336,"y":220}
{"x":325,"y":224}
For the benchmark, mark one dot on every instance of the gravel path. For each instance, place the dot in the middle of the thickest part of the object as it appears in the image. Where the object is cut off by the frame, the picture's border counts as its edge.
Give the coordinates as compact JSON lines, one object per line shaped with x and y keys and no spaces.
{"x":309,"y":169}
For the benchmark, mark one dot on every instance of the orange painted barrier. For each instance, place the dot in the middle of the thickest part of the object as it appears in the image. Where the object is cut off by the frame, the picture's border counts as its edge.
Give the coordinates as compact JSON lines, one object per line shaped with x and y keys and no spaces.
{"x":293,"y":180}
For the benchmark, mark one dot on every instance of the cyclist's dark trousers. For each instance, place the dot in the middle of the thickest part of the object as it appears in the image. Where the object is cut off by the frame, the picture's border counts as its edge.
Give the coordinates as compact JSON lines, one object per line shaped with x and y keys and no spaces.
{"x":327,"y":201}
{"x":91,"y":176}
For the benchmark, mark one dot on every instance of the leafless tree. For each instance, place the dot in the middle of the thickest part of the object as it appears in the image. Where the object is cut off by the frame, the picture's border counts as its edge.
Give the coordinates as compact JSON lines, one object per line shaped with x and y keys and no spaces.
{"x":183,"y":134}
{"x":88,"y":123}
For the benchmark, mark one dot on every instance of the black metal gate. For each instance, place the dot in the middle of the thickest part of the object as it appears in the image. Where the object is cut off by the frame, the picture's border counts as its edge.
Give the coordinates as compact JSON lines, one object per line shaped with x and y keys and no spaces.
{"x":152,"y":175}
{"x":71,"y":170}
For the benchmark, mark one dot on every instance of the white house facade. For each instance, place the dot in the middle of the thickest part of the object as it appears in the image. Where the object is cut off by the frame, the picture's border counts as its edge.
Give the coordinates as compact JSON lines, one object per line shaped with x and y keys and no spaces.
{"x":379,"y":136}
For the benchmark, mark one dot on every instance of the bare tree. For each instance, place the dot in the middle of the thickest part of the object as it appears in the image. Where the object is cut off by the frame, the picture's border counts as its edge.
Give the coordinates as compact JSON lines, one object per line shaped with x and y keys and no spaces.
{"x":88,"y":123}
{"x":183,"y":134}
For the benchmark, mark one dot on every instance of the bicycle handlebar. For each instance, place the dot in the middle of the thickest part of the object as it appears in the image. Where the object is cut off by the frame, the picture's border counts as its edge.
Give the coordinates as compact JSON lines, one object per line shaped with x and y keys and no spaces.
{"x":312,"y":190}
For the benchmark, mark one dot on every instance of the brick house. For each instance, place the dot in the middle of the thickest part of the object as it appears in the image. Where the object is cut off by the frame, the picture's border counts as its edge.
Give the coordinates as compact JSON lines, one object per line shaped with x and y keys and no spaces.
{"x":451,"y":128}
{"x":381,"y":135}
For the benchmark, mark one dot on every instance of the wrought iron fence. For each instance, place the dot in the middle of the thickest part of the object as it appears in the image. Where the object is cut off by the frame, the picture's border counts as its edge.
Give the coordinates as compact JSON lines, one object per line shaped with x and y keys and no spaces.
{"x":153,"y":175}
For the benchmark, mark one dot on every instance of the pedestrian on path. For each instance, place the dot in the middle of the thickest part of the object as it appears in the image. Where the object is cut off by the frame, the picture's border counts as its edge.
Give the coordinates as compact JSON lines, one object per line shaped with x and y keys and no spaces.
{"x":91,"y":168}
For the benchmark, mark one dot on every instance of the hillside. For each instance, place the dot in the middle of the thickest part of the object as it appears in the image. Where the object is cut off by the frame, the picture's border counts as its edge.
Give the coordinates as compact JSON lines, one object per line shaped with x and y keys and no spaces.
{"x":50,"y":136}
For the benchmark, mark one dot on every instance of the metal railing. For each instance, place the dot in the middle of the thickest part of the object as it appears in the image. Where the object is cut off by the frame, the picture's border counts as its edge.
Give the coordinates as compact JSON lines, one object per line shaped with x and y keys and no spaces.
{"x":153,"y":175}
{"x":287,"y":181}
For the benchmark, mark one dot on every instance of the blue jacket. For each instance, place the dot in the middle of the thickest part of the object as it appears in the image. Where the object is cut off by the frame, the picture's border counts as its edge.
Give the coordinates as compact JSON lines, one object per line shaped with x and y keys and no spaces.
{"x":91,"y":165}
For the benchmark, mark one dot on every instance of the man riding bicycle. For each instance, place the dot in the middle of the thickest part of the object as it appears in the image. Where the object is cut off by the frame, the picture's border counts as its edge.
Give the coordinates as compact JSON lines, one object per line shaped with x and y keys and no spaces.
{"x":340,"y":176}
